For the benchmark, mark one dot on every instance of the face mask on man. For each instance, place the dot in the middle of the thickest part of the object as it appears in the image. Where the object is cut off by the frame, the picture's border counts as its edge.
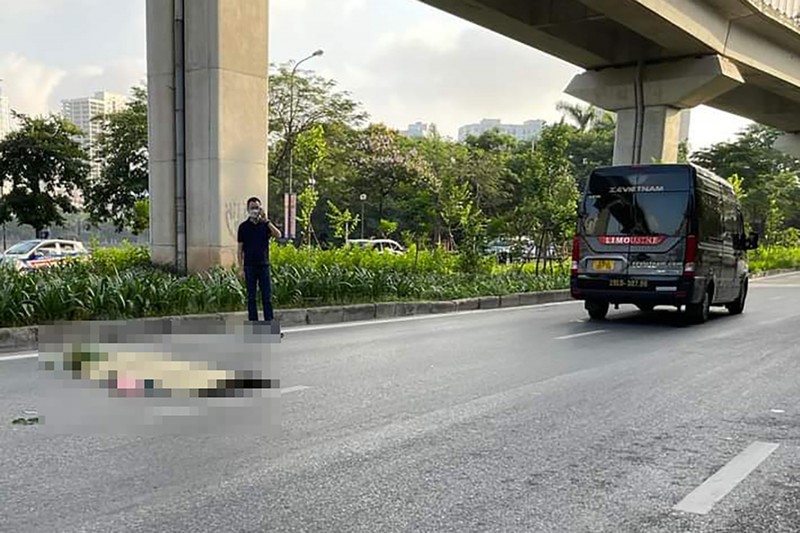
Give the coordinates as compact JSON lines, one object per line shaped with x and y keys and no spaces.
{"x":255,"y":213}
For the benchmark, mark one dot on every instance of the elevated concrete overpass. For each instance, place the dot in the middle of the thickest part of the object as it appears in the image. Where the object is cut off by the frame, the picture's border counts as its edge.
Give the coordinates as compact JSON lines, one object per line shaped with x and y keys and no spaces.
{"x":645,"y":59}
{"x":649,"y":59}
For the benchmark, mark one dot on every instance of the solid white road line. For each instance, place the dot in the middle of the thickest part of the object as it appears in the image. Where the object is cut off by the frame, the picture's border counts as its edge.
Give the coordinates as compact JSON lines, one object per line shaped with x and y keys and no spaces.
{"x":17,"y":357}
{"x":365,"y":323}
{"x":296,"y":388}
{"x":703,"y":498}
{"x":584,"y":334}
{"x":776,"y":276}
{"x":433,"y":316}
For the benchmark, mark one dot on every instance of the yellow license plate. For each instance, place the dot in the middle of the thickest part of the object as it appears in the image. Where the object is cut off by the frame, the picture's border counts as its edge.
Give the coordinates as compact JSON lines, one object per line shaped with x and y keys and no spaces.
{"x":603,"y":265}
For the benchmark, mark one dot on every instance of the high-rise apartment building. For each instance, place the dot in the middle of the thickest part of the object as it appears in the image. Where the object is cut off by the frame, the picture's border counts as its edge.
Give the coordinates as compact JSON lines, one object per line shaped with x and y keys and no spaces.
{"x":5,"y":115}
{"x":418,"y":130}
{"x":527,"y":131}
{"x":83,"y":111}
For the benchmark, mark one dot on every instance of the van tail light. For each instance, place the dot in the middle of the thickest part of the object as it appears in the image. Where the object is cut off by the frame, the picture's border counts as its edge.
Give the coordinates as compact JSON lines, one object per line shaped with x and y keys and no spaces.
{"x":690,"y":257}
{"x":576,"y":254}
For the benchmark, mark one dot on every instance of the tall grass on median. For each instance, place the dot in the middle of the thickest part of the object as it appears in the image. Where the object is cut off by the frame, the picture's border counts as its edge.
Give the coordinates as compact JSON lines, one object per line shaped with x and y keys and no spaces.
{"x":774,"y":258}
{"x":120,"y":283}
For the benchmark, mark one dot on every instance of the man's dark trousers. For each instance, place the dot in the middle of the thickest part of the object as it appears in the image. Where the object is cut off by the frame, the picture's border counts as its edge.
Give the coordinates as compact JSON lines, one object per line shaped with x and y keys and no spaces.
{"x":258,"y":275}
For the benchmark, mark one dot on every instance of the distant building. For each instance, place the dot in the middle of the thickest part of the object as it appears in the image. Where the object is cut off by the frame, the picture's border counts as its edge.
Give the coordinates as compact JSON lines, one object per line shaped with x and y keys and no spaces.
{"x":83,"y":111}
{"x":5,"y":115}
{"x":527,"y":131}
{"x":418,"y":130}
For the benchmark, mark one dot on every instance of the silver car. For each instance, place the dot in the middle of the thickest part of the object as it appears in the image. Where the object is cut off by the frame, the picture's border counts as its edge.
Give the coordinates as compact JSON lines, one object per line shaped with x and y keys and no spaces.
{"x":38,"y":253}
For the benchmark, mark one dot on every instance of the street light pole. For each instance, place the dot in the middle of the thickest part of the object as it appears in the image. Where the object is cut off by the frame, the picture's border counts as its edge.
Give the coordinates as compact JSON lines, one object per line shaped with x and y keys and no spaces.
{"x":290,"y":141}
{"x":363,"y":198}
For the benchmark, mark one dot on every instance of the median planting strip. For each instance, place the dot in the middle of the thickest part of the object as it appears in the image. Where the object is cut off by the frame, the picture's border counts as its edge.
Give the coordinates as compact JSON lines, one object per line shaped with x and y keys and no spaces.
{"x":15,"y":340}
{"x":26,"y":338}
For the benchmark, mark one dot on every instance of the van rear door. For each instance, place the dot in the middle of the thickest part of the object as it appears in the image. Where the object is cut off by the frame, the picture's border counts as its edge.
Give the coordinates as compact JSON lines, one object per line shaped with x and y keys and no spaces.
{"x":606,"y":223}
{"x":662,"y":207}
{"x":637,"y":217}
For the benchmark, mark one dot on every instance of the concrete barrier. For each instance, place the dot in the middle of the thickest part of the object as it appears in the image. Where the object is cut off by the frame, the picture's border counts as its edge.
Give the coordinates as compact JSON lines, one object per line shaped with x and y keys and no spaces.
{"x":18,"y":339}
{"x":438,"y":308}
{"x":386,"y":310}
{"x":356,"y":313}
{"x":326,"y":315}
{"x":510,"y":300}
{"x":290,"y":318}
{"x":418,"y":308}
{"x":489,"y":302}
{"x":468,"y":304}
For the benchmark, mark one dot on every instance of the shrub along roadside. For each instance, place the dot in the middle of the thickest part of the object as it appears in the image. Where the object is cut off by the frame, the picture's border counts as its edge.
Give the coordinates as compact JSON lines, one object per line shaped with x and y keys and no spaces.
{"x":774,"y":258}
{"x":120,"y":283}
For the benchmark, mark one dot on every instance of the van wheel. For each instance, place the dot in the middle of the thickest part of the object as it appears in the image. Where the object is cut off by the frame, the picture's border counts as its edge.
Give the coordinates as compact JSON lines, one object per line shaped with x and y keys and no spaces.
{"x":597,"y":310}
{"x":736,"y":307}
{"x":698,"y":313}
{"x":646,"y":308}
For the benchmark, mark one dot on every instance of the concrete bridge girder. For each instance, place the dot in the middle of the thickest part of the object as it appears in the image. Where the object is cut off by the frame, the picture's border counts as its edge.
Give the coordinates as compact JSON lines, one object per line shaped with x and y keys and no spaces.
{"x":598,"y":34}
{"x":666,"y":89}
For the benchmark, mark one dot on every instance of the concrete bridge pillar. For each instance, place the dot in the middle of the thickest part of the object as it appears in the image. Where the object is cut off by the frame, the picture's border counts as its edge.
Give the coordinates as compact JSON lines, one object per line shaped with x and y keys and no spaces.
{"x":207,"y":81}
{"x":657,"y":93}
{"x":789,"y":143}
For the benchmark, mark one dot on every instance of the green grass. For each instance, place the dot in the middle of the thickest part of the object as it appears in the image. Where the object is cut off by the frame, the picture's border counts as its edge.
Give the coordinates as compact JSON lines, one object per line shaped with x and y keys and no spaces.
{"x":120,"y":283}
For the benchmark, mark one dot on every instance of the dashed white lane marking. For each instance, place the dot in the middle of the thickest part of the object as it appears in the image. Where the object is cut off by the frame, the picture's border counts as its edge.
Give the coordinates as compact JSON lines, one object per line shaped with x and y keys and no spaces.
{"x":296,"y":388}
{"x":17,"y":357}
{"x":703,"y":498}
{"x":584,"y":334}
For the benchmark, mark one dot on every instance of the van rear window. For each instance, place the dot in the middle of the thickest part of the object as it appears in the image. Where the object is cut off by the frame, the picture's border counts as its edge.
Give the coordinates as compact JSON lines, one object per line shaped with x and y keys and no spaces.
{"x":641,"y":179}
{"x":650,"y":201}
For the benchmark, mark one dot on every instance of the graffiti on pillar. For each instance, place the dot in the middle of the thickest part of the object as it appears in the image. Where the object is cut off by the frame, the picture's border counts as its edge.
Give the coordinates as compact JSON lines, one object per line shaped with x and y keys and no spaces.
{"x":235,"y":212}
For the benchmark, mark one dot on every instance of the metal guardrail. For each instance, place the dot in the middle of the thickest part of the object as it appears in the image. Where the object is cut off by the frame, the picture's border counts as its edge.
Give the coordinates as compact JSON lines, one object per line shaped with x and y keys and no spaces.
{"x":789,"y":8}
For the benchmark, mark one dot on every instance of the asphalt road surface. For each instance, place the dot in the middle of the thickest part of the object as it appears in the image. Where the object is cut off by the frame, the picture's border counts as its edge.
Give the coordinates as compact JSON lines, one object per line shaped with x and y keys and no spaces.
{"x":527,"y":419}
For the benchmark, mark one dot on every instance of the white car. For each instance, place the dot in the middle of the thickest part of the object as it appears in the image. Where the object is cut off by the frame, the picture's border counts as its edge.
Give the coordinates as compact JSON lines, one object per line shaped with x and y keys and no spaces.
{"x":382,"y":245}
{"x":38,"y":253}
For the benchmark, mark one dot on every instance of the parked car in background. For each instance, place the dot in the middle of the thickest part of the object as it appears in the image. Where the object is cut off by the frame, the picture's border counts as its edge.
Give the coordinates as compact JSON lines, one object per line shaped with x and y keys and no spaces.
{"x":501,"y":249}
{"x":381,"y":245}
{"x":38,"y":253}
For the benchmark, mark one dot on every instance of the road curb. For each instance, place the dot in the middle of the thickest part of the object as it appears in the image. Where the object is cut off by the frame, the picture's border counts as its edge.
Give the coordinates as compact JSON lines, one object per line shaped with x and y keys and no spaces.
{"x":27,"y":338}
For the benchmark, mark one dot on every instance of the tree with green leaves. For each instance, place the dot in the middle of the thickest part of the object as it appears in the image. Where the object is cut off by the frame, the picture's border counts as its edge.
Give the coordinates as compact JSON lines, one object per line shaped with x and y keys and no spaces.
{"x":120,"y":194}
{"x":342,"y":221}
{"x":45,"y":168}
{"x":297,"y":104}
{"x":308,"y":198}
{"x":592,"y":148}
{"x":582,"y":116}
{"x":769,"y":178}
{"x":383,"y":163}
{"x":554,"y":197}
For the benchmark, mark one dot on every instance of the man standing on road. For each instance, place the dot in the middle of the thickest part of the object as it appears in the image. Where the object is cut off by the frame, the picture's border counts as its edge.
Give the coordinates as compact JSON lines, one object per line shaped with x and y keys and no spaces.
{"x":254,"y":235}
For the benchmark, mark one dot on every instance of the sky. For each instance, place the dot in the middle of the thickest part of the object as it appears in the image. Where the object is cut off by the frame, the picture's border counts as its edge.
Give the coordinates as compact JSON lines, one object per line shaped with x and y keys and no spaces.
{"x":403,"y":60}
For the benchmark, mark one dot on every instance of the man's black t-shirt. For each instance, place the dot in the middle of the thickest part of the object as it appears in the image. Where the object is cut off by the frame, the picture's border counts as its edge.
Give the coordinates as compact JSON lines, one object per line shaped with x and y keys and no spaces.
{"x":255,"y":238}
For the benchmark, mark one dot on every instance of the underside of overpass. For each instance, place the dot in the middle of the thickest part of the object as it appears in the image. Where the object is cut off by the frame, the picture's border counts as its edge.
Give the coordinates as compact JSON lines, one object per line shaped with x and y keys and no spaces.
{"x":739,"y":56}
